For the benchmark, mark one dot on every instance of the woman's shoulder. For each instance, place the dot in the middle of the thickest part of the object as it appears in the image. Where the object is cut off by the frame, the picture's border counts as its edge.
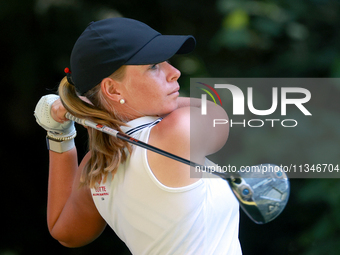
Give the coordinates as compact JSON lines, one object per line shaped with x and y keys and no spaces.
{"x":172,"y":134}
{"x":173,"y":131}
{"x":183,"y":133}
{"x":188,"y":125}
{"x":176,"y":122}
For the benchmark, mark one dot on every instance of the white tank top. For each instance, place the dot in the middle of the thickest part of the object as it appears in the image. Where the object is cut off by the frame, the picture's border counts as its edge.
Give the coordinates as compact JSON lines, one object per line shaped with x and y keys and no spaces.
{"x":153,"y":219}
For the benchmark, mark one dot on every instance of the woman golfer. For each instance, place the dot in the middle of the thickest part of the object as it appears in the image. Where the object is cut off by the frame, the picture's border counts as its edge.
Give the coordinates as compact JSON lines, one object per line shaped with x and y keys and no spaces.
{"x":119,"y":77}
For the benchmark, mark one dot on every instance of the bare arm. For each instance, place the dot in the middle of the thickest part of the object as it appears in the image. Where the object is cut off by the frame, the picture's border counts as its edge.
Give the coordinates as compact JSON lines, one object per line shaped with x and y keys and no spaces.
{"x":62,"y":172}
{"x":202,"y":126}
{"x":187,"y":101}
{"x":72,"y":217}
{"x":187,"y":133}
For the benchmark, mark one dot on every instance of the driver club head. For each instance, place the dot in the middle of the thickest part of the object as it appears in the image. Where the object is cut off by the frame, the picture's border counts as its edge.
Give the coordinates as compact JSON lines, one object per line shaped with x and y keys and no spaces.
{"x":262,"y":194}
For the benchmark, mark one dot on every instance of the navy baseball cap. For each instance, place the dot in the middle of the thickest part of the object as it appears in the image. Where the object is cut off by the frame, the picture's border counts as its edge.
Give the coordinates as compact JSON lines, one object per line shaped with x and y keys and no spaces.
{"x":108,"y":44}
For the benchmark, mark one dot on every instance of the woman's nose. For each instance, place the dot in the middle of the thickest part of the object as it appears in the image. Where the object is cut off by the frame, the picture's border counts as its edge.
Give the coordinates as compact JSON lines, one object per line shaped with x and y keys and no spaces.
{"x":173,"y":73}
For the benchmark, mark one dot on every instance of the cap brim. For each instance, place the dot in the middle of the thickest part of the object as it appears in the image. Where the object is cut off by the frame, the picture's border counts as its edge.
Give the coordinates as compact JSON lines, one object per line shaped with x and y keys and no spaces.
{"x":161,"y":48}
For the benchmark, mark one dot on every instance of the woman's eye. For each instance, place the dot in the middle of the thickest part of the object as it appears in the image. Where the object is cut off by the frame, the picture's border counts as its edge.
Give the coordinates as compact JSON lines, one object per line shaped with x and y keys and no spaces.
{"x":154,"y":66}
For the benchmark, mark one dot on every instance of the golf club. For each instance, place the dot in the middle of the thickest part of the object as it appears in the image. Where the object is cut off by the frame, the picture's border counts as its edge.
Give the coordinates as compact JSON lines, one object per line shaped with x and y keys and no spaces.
{"x":262,"y":190}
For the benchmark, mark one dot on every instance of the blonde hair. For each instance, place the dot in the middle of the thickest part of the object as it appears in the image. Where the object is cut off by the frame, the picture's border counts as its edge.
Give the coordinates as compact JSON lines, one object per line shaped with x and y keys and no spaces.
{"x":107,"y":152}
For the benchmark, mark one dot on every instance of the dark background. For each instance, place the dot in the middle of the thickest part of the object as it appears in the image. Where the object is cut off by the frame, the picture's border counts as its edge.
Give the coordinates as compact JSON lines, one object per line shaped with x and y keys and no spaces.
{"x":286,"y":38}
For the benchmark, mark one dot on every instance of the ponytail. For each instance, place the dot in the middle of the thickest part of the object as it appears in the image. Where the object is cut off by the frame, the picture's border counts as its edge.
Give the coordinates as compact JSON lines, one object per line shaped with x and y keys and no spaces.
{"x":107,"y":152}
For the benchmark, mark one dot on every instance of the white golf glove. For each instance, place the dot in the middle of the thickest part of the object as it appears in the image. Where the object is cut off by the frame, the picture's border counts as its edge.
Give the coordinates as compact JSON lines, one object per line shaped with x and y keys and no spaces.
{"x":55,"y":130}
{"x":60,"y":136}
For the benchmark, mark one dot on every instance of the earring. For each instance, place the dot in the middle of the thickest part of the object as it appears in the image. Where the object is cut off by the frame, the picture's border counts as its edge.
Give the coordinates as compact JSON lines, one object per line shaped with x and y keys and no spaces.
{"x":122,"y":101}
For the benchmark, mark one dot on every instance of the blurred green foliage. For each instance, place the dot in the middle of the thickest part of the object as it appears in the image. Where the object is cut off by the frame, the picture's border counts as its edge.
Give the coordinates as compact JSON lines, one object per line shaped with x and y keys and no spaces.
{"x":236,"y":38}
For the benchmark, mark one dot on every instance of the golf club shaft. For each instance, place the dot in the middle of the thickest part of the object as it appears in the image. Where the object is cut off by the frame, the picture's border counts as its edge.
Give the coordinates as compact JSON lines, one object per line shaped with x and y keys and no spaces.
{"x":251,"y":209}
{"x":123,"y":136}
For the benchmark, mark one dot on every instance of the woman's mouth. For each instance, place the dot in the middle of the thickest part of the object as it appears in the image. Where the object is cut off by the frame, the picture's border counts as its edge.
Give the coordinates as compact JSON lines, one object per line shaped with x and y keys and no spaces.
{"x":174,"y":92}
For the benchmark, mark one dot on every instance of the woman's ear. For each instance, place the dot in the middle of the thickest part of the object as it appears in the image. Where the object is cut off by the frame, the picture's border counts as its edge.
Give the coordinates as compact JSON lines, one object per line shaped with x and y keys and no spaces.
{"x":111,"y":89}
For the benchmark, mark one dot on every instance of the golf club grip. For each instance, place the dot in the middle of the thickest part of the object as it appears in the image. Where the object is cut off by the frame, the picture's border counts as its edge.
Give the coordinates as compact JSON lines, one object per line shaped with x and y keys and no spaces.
{"x":130,"y":139}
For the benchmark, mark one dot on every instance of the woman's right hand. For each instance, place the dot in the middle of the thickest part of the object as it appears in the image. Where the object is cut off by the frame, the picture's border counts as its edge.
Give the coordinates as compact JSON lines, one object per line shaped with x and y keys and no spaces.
{"x":58,"y":111}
